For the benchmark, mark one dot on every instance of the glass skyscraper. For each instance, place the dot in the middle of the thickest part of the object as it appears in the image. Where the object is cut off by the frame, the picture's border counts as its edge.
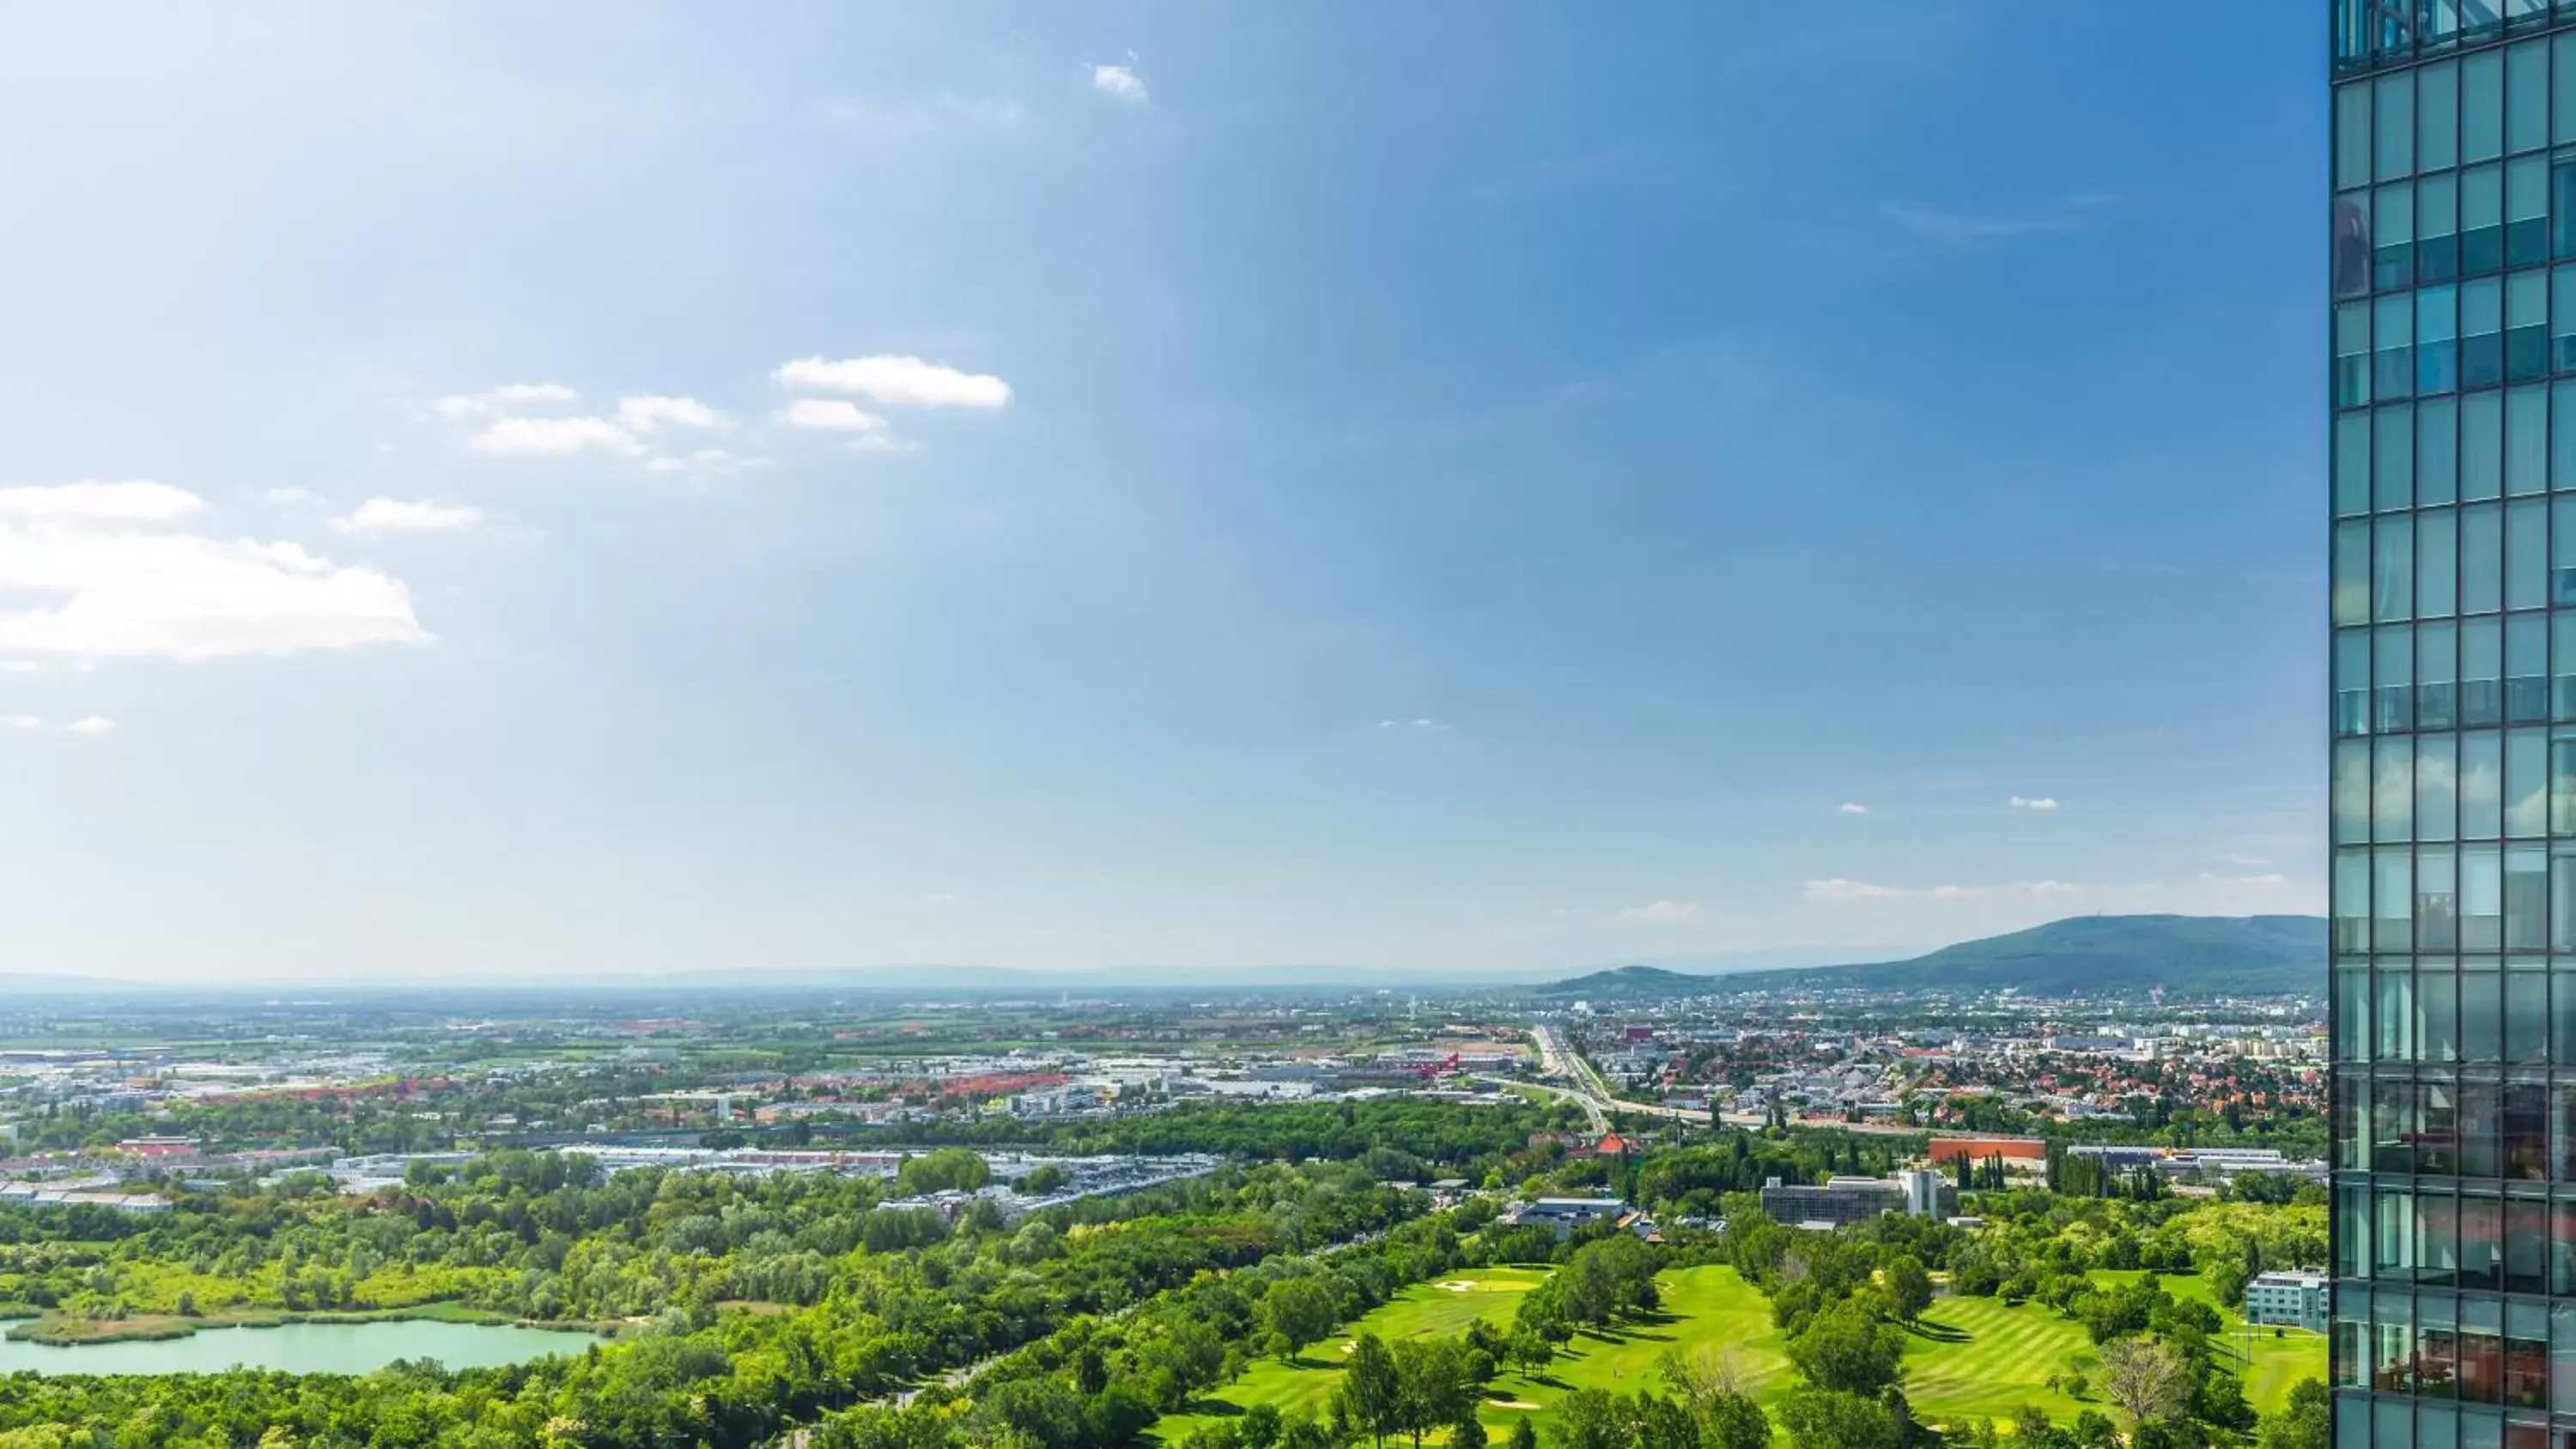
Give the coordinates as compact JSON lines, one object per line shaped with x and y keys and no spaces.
{"x":2453,"y":814}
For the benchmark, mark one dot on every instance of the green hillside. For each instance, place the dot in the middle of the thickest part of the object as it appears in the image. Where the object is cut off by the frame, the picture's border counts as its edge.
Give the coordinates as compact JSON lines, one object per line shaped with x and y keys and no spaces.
{"x":2094,"y":955}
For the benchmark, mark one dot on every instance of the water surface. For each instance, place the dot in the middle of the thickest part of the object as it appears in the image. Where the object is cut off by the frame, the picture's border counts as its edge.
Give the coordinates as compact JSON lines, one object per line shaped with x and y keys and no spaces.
{"x":304,"y":1348}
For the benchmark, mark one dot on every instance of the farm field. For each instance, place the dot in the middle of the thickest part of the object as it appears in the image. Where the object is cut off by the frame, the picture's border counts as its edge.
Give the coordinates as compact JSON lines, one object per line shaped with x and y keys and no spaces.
{"x":1971,"y":1358}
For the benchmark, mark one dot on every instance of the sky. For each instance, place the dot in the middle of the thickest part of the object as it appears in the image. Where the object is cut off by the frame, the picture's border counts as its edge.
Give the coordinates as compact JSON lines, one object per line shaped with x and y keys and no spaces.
{"x":632,"y":487}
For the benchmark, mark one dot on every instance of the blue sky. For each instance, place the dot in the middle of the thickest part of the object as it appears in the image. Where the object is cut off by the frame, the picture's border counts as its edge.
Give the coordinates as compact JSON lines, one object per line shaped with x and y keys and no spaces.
{"x":634,"y":487}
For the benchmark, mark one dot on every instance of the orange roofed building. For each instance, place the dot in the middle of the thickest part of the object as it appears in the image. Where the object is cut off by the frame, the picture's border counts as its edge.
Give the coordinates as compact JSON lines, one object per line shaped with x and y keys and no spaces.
{"x":2029,"y":1151}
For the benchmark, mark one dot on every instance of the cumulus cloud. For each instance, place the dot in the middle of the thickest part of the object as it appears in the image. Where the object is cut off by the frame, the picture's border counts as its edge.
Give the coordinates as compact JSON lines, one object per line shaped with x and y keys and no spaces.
{"x":1659,"y":913}
{"x":98,"y":580}
{"x":91,"y":725}
{"x":140,"y":501}
{"x":2040,"y":803}
{"x":556,"y":438}
{"x":896,"y":381}
{"x":704,"y":463}
{"x":509,"y":397}
{"x":649,"y":414}
{"x":1122,"y":81}
{"x":1852,"y":807}
{"x":291,"y":498}
{"x":830,"y":415}
{"x":378,"y":516}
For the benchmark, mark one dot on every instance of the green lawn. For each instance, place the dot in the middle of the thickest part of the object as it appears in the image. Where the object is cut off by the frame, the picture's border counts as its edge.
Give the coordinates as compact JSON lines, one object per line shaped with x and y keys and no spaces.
{"x":1970,"y":1358}
{"x":2271,"y":1363}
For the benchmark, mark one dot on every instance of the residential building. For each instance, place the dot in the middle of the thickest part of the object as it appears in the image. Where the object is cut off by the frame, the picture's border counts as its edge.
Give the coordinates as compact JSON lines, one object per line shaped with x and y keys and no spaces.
{"x":2452,"y":399}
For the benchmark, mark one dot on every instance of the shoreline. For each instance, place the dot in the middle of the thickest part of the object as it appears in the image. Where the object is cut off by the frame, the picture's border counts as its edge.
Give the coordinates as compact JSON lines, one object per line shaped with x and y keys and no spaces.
{"x":58,"y":1331}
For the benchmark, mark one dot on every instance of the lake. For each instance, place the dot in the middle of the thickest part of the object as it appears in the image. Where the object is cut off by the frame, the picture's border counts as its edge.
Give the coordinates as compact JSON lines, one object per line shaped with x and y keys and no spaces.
{"x":337,"y":1348}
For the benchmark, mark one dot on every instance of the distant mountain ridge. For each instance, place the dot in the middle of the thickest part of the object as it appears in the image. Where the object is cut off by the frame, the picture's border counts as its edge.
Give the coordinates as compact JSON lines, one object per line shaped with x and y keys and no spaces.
{"x":2086,"y":955}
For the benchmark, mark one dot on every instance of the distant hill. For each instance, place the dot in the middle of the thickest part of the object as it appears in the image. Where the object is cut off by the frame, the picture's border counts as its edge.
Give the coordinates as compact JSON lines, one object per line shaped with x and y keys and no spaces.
{"x":2091,"y":955}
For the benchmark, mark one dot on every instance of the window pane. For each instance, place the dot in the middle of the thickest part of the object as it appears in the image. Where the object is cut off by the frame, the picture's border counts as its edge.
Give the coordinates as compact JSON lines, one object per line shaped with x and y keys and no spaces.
{"x":2352,"y":572}
{"x":2526,"y":898}
{"x":2392,"y":589}
{"x":2393,"y":457}
{"x":2526,"y":1040}
{"x":2351,"y":899}
{"x":2437,"y":674}
{"x":2392,"y":900}
{"x":2481,"y":785}
{"x":2437,"y":788}
{"x":2394,"y":146}
{"x":2481,"y":670}
{"x":2392,"y":790}
{"x":2562,"y":789}
{"x":2437,"y":921}
{"x":2437,"y":228}
{"x":2393,"y":695}
{"x":2392,"y":337}
{"x":2481,"y":220}
{"x":2352,"y":697}
{"x":2526,"y":786}
{"x":2481,"y":559}
{"x":2351,"y":809}
{"x":2526,"y":212}
{"x":2437,"y":563}
{"x":2481,"y":446}
{"x":2526,"y":441}
{"x":2481,"y":108}
{"x":2526,"y":92}
{"x":2352,"y":134}
{"x":2437,"y":448}
{"x":2352,"y":462}
{"x":2526,"y":556}
{"x":2481,"y":903}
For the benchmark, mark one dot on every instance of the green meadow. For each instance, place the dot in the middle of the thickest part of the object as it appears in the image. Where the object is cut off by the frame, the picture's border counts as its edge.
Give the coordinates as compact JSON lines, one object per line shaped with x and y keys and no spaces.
{"x":1969,"y":1358}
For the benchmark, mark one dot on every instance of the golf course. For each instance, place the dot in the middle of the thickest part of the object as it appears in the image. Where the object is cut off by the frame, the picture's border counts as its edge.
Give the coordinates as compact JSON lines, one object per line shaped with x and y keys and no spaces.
{"x":1968,"y":1358}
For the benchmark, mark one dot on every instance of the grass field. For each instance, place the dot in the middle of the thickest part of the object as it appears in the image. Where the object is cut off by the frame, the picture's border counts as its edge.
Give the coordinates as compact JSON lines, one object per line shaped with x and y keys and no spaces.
{"x":2271,"y":1364}
{"x":1970,"y":1358}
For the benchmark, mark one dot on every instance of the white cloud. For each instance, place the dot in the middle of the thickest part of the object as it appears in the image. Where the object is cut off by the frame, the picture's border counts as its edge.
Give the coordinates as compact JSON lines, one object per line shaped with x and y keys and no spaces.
{"x":394,"y":515}
{"x":140,"y":501}
{"x":1416,"y":726}
{"x":2268,"y":878}
{"x":104,"y":590}
{"x":830,"y":415}
{"x":291,"y":498}
{"x":2040,"y":803}
{"x":2250,"y":862}
{"x":1122,"y":81}
{"x":22,"y":722}
{"x":651,"y":413}
{"x":1660,"y":913}
{"x":556,"y":438}
{"x":897,"y":381}
{"x":91,"y":725}
{"x":1852,"y":807}
{"x":705,"y":463}
{"x":498,"y":401}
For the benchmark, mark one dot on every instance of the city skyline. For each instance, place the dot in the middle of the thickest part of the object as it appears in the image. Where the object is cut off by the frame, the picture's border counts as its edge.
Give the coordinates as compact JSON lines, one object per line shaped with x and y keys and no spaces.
{"x":1128,"y":485}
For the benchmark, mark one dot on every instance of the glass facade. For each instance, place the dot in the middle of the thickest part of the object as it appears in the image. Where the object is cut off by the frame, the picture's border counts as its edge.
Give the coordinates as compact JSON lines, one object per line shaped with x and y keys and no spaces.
{"x":2452,"y":597}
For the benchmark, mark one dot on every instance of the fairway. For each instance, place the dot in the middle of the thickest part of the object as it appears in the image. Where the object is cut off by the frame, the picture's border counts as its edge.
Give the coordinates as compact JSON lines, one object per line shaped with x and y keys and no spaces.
{"x":2271,"y":1364}
{"x":1970,"y":1358}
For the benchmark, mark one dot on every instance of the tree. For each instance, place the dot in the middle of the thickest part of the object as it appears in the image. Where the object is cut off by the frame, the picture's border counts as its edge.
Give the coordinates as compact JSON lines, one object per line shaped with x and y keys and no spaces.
{"x":2144,"y":1376}
{"x":2303,"y":1423}
{"x":1300,"y":1311}
{"x":1432,"y":1386}
{"x":1524,"y":1435}
{"x":1909,"y":1286}
{"x":1468,"y":1433}
{"x":1732,"y":1420}
{"x":1371,"y":1391}
{"x":1824,"y":1419}
{"x":1849,"y":1352}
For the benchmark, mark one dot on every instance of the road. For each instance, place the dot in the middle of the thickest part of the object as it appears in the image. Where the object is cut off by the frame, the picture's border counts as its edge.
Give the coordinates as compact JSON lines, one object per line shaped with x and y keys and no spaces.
{"x":1556,"y":1059}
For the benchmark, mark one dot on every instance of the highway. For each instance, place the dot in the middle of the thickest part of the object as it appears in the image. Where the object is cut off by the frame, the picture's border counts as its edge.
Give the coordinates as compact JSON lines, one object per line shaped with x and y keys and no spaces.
{"x":1556,"y":1059}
